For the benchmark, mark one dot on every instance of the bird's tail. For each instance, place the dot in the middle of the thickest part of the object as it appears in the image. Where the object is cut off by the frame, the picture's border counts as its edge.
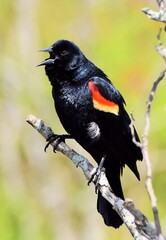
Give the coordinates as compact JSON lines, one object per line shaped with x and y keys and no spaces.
{"x":111,"y":218}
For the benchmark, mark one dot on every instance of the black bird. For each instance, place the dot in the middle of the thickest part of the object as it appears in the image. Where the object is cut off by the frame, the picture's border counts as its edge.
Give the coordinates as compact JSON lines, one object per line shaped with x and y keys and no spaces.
{"x":92,"y":112}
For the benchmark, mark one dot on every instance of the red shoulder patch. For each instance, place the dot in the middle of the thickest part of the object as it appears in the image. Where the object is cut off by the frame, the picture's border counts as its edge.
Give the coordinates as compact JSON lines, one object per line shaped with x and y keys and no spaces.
{"x":101,"y":103}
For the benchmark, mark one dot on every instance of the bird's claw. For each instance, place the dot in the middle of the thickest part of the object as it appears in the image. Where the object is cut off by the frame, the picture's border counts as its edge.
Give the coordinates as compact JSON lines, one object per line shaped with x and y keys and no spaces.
{"x":96,"y":174}
{"x":50,"y":140}
{"x":57,"y":138}
{"x":95,"y":177}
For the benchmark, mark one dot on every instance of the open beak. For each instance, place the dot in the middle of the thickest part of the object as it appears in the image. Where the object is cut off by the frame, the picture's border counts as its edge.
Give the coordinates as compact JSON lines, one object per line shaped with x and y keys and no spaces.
{"x":46,"y":61}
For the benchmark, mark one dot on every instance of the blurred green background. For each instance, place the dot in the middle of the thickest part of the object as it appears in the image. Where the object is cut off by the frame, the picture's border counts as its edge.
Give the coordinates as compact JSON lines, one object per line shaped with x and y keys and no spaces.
{"x":43,"y":196}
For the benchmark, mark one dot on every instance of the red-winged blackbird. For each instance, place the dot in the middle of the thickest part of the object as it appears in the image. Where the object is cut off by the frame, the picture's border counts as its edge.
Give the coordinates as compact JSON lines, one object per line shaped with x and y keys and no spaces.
{"x":92,"y":111}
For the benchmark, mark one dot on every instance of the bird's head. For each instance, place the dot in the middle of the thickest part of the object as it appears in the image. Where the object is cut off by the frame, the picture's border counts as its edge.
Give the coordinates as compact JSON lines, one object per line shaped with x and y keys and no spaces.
{"x":64,"y":54}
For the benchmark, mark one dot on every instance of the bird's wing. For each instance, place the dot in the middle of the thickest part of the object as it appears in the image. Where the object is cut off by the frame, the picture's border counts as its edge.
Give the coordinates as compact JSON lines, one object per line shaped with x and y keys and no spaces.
{"x":114,"y":122}
{"x":105,"y":96}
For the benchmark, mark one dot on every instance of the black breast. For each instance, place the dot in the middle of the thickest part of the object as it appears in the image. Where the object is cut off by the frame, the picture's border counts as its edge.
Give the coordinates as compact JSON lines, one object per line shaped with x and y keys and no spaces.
{"x":74,"y":107}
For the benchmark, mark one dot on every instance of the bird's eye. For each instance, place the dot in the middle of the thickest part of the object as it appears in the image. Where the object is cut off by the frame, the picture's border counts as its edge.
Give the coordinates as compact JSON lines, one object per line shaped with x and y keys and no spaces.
{"x":64,"y":52}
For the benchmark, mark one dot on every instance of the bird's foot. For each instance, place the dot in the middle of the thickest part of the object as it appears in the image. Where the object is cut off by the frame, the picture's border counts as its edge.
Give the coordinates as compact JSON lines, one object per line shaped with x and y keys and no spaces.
{"x":58,"y":139}
{"x":96,"y":174}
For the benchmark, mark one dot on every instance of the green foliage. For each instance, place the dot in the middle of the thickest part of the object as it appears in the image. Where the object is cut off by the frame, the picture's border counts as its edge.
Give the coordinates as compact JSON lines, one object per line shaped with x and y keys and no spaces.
{"x":41,"y":195}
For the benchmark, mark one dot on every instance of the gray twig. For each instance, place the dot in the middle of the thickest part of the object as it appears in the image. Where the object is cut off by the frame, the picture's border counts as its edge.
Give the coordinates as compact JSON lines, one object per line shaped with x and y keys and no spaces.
{"x":159,"y":47}
{"x":157,"y":16}
{"x":162,"y":5}
{"x":145,"y":152}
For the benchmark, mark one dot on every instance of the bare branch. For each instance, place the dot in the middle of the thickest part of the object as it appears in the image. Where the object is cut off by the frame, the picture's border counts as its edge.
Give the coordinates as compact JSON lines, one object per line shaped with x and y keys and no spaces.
{"x":162,"y":5}
{"x":146,"y":228}
{"x":146,"y":155}
{"x":77,"y":159}
{"x":157,"y":16}
{"x":159,"y":47}
{"x":138,"y":231}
